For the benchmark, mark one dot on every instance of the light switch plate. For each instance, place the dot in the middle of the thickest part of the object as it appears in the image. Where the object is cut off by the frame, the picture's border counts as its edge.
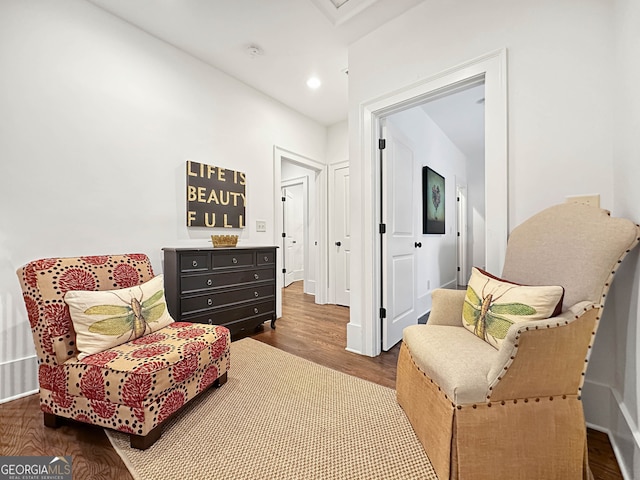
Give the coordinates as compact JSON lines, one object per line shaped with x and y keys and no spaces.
{"x":261,"y":226}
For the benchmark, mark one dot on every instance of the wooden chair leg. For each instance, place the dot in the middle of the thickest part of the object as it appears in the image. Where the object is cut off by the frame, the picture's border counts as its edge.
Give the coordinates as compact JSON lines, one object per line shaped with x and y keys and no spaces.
{"x":142,"y":442}
{"x":221,"y":380}
{"x":51,"y":420}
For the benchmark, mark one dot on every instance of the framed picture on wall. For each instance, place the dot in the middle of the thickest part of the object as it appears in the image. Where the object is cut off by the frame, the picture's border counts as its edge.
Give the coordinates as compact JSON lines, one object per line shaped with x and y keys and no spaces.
{"x":433,"y":202}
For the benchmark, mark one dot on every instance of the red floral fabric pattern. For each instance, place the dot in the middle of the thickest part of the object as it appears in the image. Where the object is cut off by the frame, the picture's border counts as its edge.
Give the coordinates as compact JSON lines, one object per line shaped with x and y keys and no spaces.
{"x":32,"y":309}
{"x":76,"y":279}
{"x":59,"y":319}
{"x":44,"y":264}
{"x":150,"y":367}
{"x":96,"y":259}
{"x":173,"y":402}
{"x":114,"y":388}
{"x":210,"y":376}
{"x":185,"y":368}
{"x":103,"y":409}
{"x":100,"y":359}
{"x":92,"y":384}
{"x":219,"y":346}
{"x":125,"y":276}
{"x":191,"y":333}
{"x":135,"y":389}
{"x":192,"y":348}
{"x":152,"y":351}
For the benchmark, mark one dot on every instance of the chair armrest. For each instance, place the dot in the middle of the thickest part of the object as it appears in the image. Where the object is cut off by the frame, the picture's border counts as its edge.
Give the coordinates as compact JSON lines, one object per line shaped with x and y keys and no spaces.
{"x":446,"y":307}
{"x":544,"y":358}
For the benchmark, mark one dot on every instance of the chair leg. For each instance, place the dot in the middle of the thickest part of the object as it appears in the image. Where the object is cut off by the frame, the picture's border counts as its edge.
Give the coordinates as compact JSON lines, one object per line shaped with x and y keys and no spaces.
{"x":142,"y":442}
{"x":51,"y":420}
{"x":221,"y":380}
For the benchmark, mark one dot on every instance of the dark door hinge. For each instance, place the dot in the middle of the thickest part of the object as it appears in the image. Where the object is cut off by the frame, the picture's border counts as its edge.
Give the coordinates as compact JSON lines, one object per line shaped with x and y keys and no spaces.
{"x":382,"y":144}
{"x":383,"y":312}
{"x":383,"y":228}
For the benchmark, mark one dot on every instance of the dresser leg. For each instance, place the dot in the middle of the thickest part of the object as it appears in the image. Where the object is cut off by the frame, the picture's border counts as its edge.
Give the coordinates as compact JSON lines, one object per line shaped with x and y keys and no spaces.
{"x":273,"y":322}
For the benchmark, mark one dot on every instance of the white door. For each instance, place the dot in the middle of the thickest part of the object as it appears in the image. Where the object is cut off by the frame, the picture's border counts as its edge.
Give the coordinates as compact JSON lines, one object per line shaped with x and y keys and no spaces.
{"x":293,"y":221}
{"x":399,"y":242}
{"x":341,"y":228}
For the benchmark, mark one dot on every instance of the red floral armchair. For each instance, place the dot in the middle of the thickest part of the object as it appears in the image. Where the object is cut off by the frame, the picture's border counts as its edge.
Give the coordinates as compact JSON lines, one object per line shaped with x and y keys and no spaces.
{"x":134,"y":387}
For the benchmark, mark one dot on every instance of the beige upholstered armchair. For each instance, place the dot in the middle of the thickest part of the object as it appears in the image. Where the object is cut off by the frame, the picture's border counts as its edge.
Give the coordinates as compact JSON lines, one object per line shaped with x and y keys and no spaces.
{"x":505,"y":402}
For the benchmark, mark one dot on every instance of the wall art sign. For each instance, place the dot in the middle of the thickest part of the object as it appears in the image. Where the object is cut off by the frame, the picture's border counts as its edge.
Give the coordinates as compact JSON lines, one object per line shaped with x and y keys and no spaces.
{"x":215,"y":196}
{"x":433,"y":201}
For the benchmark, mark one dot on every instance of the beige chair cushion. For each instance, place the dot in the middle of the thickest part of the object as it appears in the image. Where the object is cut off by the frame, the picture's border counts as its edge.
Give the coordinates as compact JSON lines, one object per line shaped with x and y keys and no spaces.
{"x":461,"y":372}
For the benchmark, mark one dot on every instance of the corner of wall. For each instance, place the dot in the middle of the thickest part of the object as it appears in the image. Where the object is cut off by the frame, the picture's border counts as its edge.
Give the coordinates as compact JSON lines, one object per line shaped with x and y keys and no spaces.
{"x":606,"y":412}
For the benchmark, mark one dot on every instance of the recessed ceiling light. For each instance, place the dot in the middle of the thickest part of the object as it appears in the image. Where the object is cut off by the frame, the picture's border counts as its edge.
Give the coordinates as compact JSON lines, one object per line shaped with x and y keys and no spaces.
{"x":314,"y":83}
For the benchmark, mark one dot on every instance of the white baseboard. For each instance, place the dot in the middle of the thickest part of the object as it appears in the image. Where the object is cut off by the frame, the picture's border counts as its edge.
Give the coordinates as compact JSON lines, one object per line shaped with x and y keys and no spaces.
{"x":19,"y":378}
{"x":606,"y":412}
{"x":354,"y":338}
{"x":310,"y":287}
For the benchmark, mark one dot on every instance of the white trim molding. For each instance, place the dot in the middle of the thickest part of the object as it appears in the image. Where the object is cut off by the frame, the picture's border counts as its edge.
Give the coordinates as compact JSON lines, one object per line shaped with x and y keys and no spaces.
{"x":363,"y":330}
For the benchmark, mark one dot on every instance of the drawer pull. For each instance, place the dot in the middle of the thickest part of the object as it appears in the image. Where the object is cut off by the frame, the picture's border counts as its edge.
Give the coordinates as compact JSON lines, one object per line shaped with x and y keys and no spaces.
{"x":256,"y":294}
{"x":234,"y":260}
{"x":255,"y":310}
{"x":266,"y":259}
{"x":209,"y":282}
{"x":256,"y":276}
{"x":209,"y":302}
{"x":210,"y":322}
{"x":194,"y":263}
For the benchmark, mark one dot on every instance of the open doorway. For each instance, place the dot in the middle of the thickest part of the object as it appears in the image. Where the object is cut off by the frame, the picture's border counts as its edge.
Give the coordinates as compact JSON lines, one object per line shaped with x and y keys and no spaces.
{"x":364,"y":331}
{"x":298,"y":264}
{"x":305,"y":180}
{"x":440,"y":140}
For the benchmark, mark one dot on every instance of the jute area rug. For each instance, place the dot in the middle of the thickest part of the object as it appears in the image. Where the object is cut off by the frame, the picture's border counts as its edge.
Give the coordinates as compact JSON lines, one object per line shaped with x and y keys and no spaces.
{"x":283,"y":417}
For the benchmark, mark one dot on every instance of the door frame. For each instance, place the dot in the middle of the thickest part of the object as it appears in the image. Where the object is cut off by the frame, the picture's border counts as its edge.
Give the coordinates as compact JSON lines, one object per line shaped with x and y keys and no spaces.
{"x":304,"y":181}
{"x":332,"y":227}
{"x":364,"y":328}
{"x":462,"y":239}
{"x":279,"y":155}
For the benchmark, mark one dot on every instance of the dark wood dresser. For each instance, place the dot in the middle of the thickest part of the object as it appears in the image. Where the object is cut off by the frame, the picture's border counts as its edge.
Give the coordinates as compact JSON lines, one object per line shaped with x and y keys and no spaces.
{"x":234,"y":287}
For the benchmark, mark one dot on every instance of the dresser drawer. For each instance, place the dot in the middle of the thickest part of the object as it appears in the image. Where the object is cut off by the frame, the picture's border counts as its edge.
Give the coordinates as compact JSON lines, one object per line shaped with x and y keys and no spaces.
{"x":194,"y":262}
{"x":228,"y":315}
{"x":233,"y":259}
{"x":194,"y":283}
{"x":265,"y":257}
{"x":208,"y":301}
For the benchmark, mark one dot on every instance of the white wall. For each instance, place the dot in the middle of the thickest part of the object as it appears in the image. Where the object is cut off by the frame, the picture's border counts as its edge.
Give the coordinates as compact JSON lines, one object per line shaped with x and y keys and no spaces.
{"x":98,"y":119}
{"x":620,"y":347}
{"x":562,"y":80}
{"x":338,"y":143}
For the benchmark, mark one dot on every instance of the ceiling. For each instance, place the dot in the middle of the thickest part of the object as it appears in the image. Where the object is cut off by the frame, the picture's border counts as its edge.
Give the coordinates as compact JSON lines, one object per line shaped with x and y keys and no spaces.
{"x":460,"y":116}
{"x":273,"y":46}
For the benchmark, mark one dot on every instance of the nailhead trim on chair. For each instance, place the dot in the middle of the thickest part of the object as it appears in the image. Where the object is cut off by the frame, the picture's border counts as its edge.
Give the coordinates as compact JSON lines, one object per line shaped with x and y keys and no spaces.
{"x":605,"y":290}
{"x":525,"y":329}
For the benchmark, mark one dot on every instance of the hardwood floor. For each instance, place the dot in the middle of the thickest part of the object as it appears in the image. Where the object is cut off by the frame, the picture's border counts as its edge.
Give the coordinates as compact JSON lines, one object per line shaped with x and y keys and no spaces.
{"x":314,"y":332}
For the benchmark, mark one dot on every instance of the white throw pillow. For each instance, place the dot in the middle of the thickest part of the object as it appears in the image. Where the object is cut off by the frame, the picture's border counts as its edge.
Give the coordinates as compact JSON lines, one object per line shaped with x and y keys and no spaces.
{"x":493,"y":304}
{"x":107,"y":318}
